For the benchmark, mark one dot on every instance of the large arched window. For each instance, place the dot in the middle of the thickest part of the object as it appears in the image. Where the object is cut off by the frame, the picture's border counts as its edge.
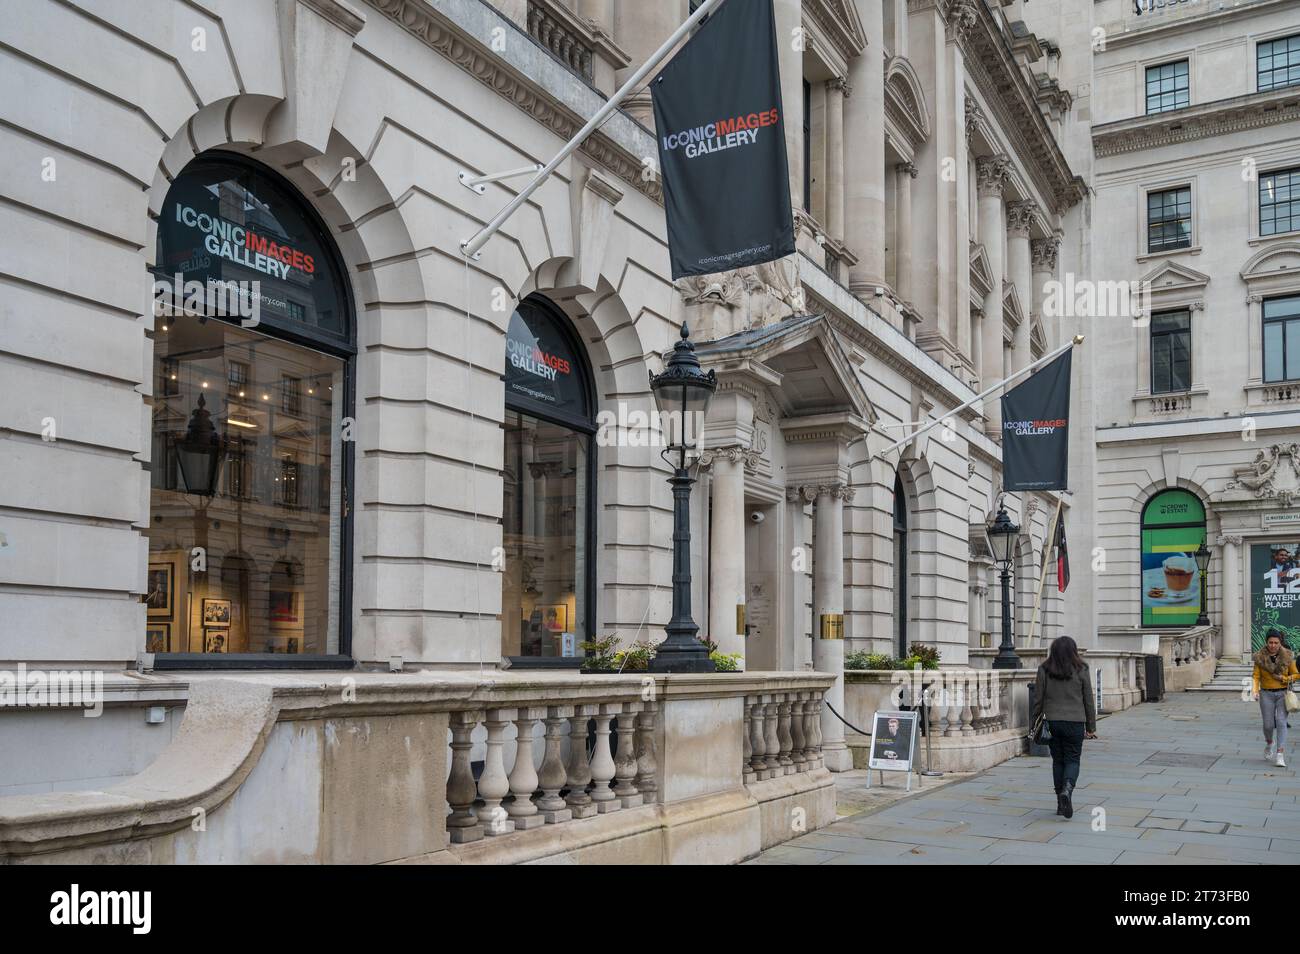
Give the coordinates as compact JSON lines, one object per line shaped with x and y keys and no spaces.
{"x":253,"y":347}
{"x":548,"y":583}
{"x":901,"y":567}
{"x":1173,"y":529}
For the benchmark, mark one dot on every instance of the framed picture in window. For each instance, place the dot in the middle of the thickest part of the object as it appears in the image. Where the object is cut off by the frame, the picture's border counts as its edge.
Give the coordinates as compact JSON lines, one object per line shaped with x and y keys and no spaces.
{"x":555,"y":617}
{"x":160,"y":590}
{"x":158,"y":637}
{"x":284,"y":609}
{"x":216,"y":613}
{"x":216,"y":640}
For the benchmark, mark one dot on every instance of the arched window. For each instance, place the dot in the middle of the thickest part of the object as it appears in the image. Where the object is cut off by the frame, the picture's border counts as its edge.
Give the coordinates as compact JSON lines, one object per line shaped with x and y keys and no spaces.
{"x":548,"y":583}
{"x":1173,"y":529}
{"x":253,"y":345}
{"x":901,"y":567}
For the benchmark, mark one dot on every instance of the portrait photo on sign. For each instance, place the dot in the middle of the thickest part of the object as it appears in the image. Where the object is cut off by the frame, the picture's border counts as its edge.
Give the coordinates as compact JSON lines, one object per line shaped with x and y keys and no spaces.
{"x":893,"y":734}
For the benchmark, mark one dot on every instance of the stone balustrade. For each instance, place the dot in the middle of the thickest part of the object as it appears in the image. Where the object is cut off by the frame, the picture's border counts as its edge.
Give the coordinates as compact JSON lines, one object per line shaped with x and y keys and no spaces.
{"x":545,"y":26}
{"x":1189,"y":657}
{"x":782,"y":735}
{"x":976,"y":718}
{"x":595,"y":758}
{"x":451,"y":767}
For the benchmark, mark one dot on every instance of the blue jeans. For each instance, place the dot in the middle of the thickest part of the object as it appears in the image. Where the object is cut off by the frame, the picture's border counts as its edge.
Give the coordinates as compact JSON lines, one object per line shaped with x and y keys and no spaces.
{"x":1272,"y":705}
{"x":1066,"y":746}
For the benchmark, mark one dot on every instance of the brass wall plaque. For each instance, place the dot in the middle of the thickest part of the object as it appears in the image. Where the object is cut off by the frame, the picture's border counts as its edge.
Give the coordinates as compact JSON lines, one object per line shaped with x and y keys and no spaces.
{"x":740,"y":619}
{"x":832,"y":625}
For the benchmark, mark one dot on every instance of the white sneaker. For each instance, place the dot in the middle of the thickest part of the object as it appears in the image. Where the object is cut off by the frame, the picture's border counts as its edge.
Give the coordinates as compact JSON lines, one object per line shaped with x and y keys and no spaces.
{"x":1268,"y":751}
{"x":1279,"y":761}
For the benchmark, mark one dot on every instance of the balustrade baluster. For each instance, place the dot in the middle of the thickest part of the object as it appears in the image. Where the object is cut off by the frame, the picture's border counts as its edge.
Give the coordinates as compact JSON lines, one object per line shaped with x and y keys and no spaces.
{"x":492,"y":784}
{"x":757,"y":737}
{"x":771,"y":738}
{"x":579,"y":768}
{"x":551,"y":776}
{"x":602,"y":762}
{"x":647,"y":754}
{"x":797,"y":753}
{"x":783,"y":734}
{"x":462,"y":824}
{"x":625,"y":758}
{"x":523,"y":777}
{"x":746,"y":770}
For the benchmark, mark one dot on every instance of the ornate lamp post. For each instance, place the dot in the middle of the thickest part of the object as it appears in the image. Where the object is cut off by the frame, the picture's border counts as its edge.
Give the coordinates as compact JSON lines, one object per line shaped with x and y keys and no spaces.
{"x":682,"y":392}
{"x":1001,"y":535}
{"x":1202,"y":556}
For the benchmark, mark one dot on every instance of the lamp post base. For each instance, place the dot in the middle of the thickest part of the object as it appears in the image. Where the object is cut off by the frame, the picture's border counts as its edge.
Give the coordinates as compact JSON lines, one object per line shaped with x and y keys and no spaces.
{"x":682,"y":660}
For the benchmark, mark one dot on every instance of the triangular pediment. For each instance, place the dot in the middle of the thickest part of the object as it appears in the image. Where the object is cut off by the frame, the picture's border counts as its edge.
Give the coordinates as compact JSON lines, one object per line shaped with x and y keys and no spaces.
{"x":838,"y":20}
{"x":1174,"y":275}
{"x":816,"y":372}
{"x":1273,"y":260}
{"x":981,"y":276}
{"x":1012,"y":311}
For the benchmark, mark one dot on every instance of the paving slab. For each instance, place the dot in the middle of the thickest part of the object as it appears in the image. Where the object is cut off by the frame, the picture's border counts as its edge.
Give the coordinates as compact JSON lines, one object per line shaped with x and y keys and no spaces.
{"x":1237,"y":809}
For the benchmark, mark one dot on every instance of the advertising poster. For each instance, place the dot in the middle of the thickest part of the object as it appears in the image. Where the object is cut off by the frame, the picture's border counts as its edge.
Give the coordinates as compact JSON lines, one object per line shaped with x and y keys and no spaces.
{"x":1173,"y":528}
{"x":1275,"y":593}
{"x":1036,"y":430}
{"x":892,"y":736}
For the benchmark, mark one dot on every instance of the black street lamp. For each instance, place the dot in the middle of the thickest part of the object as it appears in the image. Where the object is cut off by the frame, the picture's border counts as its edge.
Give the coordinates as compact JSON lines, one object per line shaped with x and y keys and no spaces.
{"x":1001,"y":535}
{"x":1202,"y":556}
{"x":682,"y":391}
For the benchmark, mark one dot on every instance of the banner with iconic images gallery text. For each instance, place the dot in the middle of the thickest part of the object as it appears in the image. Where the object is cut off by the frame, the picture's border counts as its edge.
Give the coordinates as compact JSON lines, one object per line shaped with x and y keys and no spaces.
{"x":721,"y":133}
{"x":1036,"y":430}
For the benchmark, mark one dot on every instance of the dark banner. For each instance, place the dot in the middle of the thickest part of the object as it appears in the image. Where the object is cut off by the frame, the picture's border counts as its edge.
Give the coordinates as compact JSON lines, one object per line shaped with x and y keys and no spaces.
{"x":722,"y":144}
{"x":1036,"y":429}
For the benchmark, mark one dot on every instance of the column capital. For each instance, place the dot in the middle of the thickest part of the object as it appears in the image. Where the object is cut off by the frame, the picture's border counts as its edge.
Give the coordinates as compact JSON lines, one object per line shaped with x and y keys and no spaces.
{"x":991,"y":172}
{"x":1044,"y":253}
{"x":841,"y":84}
{"x":1229,"y":539}
{"x":907,"y":168}
{"x":1020,"y":215}
{"x":808,"y":493}
{"x":960,"y":17}
{"x":734,"y":453}
{"x":974,"y":116}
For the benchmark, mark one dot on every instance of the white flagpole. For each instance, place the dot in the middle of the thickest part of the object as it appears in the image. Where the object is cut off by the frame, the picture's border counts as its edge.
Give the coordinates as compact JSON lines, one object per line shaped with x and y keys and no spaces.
{"x":1042,"y":577}
{"x":1077,"y":340}
{"x":471,"y":246}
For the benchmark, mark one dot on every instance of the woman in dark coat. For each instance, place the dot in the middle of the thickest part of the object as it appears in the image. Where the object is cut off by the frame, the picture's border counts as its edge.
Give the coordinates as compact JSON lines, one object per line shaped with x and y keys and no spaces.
{"x":1063,"y":696}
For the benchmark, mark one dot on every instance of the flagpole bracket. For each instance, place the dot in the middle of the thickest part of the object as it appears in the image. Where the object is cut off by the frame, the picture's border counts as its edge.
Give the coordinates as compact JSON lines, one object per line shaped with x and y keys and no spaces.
{"x":464,"y":250}
{"x":478,"y":184}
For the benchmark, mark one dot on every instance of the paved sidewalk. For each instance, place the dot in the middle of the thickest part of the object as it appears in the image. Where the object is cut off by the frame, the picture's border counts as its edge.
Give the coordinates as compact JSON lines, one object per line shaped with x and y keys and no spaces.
{"x":1183,"y":781}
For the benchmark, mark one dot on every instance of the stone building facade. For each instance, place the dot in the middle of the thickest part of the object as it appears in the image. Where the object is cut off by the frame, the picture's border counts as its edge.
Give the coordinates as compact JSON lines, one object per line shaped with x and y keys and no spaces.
{"x":385,"y":495}
{"x":1196,"y":134}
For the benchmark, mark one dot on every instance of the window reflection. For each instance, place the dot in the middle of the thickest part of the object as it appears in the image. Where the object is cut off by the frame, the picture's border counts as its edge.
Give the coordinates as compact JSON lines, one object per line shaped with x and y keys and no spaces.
{"x":545,"y":536}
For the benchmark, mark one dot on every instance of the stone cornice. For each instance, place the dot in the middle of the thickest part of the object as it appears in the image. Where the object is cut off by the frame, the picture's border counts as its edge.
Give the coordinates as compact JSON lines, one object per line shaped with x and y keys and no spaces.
{"x":993,"y":66}
{"x":839,"y":24}
{"x":433,"y":27}
{"x":1250,"y":111}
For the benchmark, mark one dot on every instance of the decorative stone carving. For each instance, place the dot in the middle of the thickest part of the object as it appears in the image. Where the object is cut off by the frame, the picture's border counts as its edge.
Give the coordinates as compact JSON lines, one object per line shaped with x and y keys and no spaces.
{"x":841,"y":84}
{"x":735,"y":453}
{"x":1268,"y":477}
{"x":907,"y":168}
{"x":1043,"y":253}
{"x":724,"y":288}
{"x":960,"y":17}
{"x":991,"y":172}
{"x":808,"y":493}
{"x":974,"y":117}
{"x":1020,"y":216}
{"x":1226,"y":539}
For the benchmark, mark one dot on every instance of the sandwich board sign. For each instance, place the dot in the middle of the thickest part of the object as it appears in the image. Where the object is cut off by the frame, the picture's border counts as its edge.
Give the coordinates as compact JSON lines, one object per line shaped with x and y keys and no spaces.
{"x":893,"y":744}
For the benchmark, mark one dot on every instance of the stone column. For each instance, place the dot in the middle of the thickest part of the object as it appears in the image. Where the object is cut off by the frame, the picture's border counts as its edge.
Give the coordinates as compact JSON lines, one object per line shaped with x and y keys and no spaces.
{"x":727,"y":548}
{"x":904,"y":173}
{"x":1043,"y":253}
{"x":1230,"y":610}
{"x":977,"y":349}
{"x":864,"y":150}
{"x":828,"y":609}
{"x":1019,"y":270}
{"x":836,"y":91}
{"x":640,"y":28}
{"x":992,"y":172}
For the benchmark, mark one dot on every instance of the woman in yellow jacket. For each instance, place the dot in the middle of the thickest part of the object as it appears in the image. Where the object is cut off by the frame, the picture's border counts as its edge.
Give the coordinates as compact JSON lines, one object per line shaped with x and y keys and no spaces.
{"x":1274,"y":671}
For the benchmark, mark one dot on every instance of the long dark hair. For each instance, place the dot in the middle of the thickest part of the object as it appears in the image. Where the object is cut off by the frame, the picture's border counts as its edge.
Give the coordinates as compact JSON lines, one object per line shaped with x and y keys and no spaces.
{"x":1063,"y":659}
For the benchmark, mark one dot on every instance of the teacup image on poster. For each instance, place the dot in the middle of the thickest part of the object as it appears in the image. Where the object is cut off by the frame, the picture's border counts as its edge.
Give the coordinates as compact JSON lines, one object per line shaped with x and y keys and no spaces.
{"x":1179,"y":571}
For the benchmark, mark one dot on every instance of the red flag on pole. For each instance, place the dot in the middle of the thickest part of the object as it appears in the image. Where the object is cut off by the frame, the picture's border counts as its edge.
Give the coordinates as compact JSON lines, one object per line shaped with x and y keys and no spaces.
{"x":1062,"y":557}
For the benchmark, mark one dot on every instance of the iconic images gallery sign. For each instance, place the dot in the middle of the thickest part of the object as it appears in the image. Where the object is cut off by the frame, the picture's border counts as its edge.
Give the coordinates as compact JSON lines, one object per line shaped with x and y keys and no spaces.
{"x":1275,"y":592}
{"x":1036,"y":429}
{"x":721,"y":138}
